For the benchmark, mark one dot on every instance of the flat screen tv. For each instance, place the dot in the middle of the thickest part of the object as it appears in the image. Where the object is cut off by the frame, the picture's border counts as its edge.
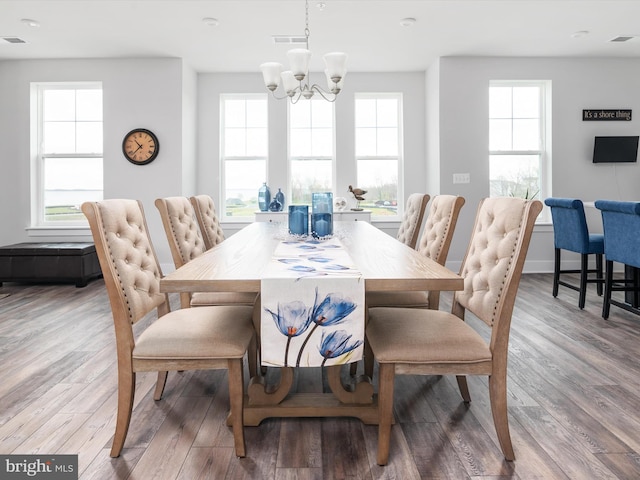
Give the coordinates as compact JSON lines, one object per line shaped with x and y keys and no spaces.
{"x":615,"y":149}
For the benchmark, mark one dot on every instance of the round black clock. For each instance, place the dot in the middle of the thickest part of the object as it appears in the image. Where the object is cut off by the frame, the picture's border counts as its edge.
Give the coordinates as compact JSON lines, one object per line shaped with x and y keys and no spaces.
{"x":140,"y":146}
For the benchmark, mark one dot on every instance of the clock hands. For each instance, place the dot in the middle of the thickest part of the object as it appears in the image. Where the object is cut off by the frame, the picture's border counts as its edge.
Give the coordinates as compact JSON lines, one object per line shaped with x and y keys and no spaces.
{"x":137,"y":143}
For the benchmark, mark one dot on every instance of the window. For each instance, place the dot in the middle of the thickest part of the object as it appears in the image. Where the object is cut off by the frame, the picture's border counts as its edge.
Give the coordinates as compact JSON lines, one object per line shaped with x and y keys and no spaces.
{"x":311,"y":148}
{"x":518,"y":139}
{"x":244,"y":145}
{"x":69,"y":152}
{"x":378,"y":130}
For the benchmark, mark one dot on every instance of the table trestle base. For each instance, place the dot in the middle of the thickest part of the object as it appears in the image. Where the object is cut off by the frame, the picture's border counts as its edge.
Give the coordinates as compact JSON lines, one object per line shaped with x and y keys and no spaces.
{"x":311,"y":405}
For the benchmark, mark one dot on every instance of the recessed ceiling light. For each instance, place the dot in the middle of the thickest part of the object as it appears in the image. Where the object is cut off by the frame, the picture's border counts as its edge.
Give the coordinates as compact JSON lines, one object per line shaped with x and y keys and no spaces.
{"x":580,"y":33}
{"x":407,"y":22}
{"x":321,"y":5}
{"x":210,"y":21}
{"x":30,"y":23}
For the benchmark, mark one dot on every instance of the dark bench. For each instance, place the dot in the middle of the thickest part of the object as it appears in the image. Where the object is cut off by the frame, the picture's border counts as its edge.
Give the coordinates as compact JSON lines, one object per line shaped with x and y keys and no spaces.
{"x":49,"y":262}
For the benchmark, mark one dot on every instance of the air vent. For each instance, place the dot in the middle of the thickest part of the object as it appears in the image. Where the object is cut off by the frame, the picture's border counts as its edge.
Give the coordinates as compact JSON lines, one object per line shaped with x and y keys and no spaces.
{"x":12,"y":40}
{"x":622,"y":38}
{"x":289,"y":39}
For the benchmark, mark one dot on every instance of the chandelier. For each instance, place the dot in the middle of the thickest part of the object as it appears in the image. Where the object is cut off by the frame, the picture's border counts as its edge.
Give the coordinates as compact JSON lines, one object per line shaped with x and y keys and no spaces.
{"x":295,"y":81}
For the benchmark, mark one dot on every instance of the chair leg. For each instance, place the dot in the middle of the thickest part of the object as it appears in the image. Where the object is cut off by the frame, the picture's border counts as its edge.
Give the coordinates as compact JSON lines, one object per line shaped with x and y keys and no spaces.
{"x":126,"y":392}
{"x":498,"y":398}
{"x":608,"y":283}
{"x":599,"y":274}
{"x":385,"y":410}
{"x":185,"y":300}
{"x":253,"y":357}
{"x":464,"y":388}
{"x":236,"y":401}
{"x":160,"y":383}
{"x":556,"y":272}
{"x":584,"y":266}
{"x":368,"y":360}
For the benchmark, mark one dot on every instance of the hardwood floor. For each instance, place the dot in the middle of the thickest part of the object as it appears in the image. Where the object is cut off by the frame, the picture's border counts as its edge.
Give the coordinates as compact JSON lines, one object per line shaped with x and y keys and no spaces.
{"x":574,"y":402}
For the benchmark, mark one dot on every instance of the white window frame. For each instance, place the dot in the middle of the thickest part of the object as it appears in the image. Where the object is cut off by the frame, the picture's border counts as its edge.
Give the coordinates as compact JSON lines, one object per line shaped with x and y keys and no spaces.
{"x":399,"y":97}
{"x":311,"y":158}
{"x":38,"y":156}
{"x":544,"y":150}
{"x":223,"y":158}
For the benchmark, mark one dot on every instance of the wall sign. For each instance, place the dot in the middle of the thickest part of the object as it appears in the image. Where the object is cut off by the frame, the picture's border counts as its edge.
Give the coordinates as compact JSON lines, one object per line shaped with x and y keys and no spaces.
{"x":604,"y":114}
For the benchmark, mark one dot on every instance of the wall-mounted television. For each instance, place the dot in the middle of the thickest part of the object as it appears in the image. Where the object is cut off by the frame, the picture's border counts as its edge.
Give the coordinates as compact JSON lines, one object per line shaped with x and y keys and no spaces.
{"x":615,"y":149}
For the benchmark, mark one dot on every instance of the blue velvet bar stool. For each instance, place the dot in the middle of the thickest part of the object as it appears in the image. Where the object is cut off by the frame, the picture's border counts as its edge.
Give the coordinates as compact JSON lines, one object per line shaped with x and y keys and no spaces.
{"x":570,"y":233}
{"x":621,"y":223}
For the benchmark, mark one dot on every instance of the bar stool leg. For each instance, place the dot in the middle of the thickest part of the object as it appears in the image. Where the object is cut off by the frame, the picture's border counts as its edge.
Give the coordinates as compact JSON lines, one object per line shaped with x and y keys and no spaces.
{"x":556,"y":272}
{"x":608,"y":283}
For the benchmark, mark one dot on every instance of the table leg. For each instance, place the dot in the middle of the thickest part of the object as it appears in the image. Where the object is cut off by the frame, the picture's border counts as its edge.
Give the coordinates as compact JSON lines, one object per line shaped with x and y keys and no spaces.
{"x":262,"y":394}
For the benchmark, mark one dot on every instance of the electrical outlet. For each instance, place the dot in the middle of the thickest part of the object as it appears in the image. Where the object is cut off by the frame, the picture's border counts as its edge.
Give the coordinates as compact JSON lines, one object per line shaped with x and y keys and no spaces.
{"x":461,"y":178}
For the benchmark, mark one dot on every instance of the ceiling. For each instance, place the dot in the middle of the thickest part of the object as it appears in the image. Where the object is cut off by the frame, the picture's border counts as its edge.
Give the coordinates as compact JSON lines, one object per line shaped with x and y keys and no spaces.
{"x":368,"y":30}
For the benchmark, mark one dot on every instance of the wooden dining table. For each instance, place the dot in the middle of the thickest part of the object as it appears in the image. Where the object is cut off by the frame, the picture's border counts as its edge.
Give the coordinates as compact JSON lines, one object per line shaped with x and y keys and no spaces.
{"x":237,"y":265}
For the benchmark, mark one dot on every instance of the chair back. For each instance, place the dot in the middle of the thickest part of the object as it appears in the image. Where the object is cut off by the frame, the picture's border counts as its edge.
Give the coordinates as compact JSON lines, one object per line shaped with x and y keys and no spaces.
{"x":570,"y":230}
{"x":128,"y":260}
{"x":207,"y":219}
{"x":621,"y":227}
{"x":412,"y":219}
{"x":181,"y":228}
{"x":493,"y":264}
{"x":439,"y":227}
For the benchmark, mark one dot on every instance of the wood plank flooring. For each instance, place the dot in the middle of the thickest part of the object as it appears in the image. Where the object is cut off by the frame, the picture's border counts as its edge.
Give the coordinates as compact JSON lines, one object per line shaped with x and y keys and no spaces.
{"x":574,"y":402}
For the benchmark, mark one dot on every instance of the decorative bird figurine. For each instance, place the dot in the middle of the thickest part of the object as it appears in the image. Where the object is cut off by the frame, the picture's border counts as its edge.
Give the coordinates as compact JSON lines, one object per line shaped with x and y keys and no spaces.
{"x":358,"y":193}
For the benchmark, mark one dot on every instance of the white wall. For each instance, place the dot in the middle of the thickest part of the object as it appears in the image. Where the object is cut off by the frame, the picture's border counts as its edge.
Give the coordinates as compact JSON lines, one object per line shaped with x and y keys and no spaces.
{"x":144,"y":93}
{"x":446,"y":105}
{"x":577,"y":84}
{"x":212,"y":85}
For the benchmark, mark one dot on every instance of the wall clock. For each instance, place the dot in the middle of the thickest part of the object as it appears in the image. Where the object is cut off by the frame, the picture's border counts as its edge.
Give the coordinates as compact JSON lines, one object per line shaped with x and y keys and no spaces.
{"x":140,"y":146}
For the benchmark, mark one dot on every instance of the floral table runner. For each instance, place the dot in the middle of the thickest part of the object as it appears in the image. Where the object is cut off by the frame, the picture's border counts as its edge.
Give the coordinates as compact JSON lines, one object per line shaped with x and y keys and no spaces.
{"x":312,"y":305}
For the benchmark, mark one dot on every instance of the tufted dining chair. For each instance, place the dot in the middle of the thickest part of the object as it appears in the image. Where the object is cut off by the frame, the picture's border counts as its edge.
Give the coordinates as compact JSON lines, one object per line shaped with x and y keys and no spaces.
{"x":434,"y":243}
{"x":186,"y":243}
{"x":412,"y":219}
{"x":570,"y":233}
{"x":185,"y":339}
{"x":621,"y":226}
{"x":207,"y":218}
{"x":413,"y":341}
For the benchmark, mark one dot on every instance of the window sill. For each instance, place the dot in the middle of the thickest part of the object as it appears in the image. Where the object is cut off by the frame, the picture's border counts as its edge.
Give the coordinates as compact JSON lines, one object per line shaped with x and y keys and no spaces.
{"x":59,"y":231}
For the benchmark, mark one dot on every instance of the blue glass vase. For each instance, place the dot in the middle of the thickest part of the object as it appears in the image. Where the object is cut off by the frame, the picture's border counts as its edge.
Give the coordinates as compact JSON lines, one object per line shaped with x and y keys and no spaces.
{"x":264,"y":197}
{"x":298,"y":219}
{"x":322,"y":214}
{"x":279,"y":196}
{"x":275,"y":206}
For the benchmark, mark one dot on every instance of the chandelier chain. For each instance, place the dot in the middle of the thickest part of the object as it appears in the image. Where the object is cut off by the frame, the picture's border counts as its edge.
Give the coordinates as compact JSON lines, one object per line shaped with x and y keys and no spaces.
{"x":307,"y":32}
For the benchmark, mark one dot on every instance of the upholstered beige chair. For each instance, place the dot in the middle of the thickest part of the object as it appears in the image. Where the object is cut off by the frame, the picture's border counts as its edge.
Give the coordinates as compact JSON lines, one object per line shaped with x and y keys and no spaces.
{"x":412,"y":219}
{"x":434,"y":243}
{"x":429,"y":342}
{"x":185,"y":339}
{"x":186,"y":243}
{"x":205,"y":211}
